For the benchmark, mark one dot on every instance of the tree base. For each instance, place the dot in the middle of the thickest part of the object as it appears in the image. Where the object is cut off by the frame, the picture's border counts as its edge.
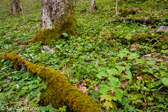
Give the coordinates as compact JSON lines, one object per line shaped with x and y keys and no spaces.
{"x":66,"y":26}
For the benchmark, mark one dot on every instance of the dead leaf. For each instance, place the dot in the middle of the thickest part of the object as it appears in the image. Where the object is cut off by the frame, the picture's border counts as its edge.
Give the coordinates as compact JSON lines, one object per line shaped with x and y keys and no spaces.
{"x":81,"y":87}
{"x":134,"y":46}
{"x":148,"y":55}
{"x":124,"y":85}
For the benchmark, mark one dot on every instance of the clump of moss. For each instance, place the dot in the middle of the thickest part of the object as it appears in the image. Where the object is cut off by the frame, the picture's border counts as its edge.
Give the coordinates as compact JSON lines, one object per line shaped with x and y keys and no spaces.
{"x":138,"y":37}
{"x":134,"y":98}
{"x":71,"y":61}
{"x":2,"y":57}
{"x":60,"y":92}
{"x":65,"y":26}
{"x":127,"y":11}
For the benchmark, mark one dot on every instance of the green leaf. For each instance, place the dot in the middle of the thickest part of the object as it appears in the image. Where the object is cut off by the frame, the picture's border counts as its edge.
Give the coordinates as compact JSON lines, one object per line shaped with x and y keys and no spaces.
{"x":102,"y":73}
{"x":114,"y":82}
{"x":129,"y":76}
{"x":120,"y":68}
{"x":133,"y":55}
{"x":118,"y":94}
{"x":104,"y":89}
{"x":107,"y":105}
{"x":165,"y":81}
{"x":32,"y":87}
{"x":107,"y":97}
{"x":113,"y":71}
{"x":121,"y":55}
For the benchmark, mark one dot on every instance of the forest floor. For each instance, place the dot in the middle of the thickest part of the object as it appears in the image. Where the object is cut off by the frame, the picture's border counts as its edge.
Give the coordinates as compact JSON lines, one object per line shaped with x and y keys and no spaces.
{"x":122,"y":65}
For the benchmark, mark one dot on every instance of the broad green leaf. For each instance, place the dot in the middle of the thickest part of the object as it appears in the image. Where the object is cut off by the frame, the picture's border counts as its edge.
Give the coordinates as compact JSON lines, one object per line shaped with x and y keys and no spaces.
{"x":107,"y":105}
{"x":133,"y":55}
{"x":129,"y":76}
{"x":113,"y":71}
{"x":121,"y":55}
{"x":107,"y":97}
{"x":118,"y":94}
{"x":114,"y":82}
{"x":1,"y":94}
{"x":102,"y":73}
{"x":104,"y":89}
{"x":165,"y":81}
{"x":120,"y":68}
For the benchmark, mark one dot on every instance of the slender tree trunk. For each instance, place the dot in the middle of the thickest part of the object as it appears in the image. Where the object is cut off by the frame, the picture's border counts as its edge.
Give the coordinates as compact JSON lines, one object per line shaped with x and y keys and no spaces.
{"x":57,"y":17}
{"x":93,"y":5}
{"x":15,"y":6}
{"x":75,"y":1}
{"x":116,"y":7}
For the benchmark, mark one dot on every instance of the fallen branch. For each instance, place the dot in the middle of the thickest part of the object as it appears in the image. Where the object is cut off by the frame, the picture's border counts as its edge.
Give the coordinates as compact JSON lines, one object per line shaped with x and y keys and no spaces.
{"x":59,"y":92}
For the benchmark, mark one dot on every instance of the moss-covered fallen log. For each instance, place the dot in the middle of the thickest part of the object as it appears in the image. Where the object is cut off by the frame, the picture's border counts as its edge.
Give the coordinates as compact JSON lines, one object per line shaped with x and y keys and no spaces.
{"x":60,"y":92}
{"x":140,"y":37}
{"x":143,"y":21}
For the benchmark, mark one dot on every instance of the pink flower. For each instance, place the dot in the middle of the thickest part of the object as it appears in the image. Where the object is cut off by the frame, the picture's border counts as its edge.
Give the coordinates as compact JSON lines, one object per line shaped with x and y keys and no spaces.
{"x":112,"y":92}
{"x":118,"y":50}
{"x":125,"y":58}
{"x":105,"y":78}
{"x":76,"y":45}
{"x":147,"y":25}
{"x":125,"y":73}
{"x":123,"y":65}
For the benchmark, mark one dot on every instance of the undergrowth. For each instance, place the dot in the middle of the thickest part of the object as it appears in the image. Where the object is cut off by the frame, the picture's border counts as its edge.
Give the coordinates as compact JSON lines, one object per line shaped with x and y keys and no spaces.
{"x":120,"y":74}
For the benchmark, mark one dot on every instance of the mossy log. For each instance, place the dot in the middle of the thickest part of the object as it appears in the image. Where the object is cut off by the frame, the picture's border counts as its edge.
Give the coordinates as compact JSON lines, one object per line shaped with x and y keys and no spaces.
{"x":60,"y":92}
{"x":127,"y":11}
{"x":142,"y":21}
{"x":139,"y":37}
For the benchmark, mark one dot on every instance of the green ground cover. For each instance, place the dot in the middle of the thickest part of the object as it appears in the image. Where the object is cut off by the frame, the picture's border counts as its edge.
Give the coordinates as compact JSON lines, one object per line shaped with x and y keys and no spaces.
{"x":115,"y":67}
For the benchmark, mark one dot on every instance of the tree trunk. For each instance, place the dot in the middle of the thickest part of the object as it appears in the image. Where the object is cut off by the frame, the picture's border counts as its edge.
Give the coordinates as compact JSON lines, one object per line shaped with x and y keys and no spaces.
{"x":93,"y":5}
{"x":116,"y":7}
{"x":75,"y":2}
{"x":57,"y":17}
{"x":53,"y":11}
{"x":15,"y":6}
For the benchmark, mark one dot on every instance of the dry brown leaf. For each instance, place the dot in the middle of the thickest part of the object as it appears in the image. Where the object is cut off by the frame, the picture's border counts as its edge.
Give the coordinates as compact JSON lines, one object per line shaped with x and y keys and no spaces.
{"x":124,"y":85}
{"x":134,"y":46}
{"x":81,"y":87}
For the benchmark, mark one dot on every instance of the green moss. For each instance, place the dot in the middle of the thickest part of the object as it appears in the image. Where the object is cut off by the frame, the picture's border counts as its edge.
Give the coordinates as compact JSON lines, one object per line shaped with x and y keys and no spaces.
{"x":60,"y":92}
{"x":2,"y":57}
{"x":66,"y":26}
{"x":134,"y":98}
{"x":71,"y":61}
{"x":139,"y":37}
{"x":127,"y":11}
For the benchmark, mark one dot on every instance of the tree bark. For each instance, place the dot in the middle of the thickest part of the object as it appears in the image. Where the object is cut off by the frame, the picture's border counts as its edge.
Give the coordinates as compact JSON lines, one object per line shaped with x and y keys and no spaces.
{"x":57,"y":17}
{"x":54,"y":11}
{"x":93,"y":5}
{"x":15,"y":6}
{"x":116,"y":7}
